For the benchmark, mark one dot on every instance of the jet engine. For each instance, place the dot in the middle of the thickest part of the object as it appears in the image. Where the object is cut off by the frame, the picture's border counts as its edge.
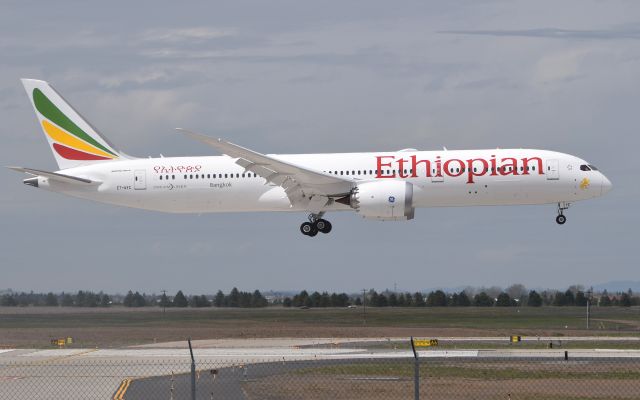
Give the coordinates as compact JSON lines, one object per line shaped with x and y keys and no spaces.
{"x":382,"y":200}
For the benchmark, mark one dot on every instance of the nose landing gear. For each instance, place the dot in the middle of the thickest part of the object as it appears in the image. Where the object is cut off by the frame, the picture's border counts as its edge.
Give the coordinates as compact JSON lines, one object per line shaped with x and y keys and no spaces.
{"x":316,"y":224}
{"x":561,"y":219}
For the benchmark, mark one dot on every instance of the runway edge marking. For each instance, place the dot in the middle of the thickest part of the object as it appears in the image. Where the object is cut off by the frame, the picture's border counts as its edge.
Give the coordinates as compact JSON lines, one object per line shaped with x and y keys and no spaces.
{"x":122,"y":389}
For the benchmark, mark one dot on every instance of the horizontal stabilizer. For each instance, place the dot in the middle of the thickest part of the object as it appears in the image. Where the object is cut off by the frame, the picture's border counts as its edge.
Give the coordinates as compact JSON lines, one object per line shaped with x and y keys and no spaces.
{"x":56,"y":176}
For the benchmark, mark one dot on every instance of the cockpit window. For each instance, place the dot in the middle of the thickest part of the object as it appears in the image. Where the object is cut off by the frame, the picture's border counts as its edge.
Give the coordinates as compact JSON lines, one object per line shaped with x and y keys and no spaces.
{"x":593,"y":167}
{"x":584,"y":167}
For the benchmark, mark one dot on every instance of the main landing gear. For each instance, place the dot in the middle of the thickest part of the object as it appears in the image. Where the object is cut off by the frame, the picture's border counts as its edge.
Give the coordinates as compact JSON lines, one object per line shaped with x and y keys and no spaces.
{"x":561,"y":219}
{"x":316,"y":224}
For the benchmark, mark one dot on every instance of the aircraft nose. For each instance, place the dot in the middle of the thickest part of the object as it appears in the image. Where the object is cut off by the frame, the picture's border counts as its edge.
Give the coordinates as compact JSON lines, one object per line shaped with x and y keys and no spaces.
{"x":606,"y":184}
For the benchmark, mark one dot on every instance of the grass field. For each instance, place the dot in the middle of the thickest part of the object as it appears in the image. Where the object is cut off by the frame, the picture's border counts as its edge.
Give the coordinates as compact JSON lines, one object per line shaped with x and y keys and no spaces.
{"x":117,"y":326}
{"x":498,"y":370}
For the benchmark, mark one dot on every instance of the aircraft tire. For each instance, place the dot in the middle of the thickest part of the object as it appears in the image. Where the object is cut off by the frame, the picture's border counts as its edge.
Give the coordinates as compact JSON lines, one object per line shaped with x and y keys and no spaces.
{"x":561,"y":219}
{"x":306,"y":228}
{"x":323,"y":225}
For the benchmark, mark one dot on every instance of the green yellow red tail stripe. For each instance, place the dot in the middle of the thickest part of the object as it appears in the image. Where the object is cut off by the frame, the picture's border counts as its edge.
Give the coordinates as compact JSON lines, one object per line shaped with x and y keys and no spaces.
{"x":73,"y":154}
{"x":70,"y":141}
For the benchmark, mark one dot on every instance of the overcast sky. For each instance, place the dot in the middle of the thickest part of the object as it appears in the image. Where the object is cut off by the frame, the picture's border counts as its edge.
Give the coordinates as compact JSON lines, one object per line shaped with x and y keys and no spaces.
{"x":296,"y":77}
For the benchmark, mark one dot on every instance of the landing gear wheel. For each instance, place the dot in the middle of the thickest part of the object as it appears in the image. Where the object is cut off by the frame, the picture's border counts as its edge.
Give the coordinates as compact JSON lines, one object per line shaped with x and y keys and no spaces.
{"x":307,"y":228}
{"x":323,"y":225}
{"x":561,"y":219}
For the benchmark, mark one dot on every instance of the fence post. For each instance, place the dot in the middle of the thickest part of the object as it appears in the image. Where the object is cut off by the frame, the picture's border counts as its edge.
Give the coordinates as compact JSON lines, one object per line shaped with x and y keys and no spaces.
{"x":193,"y":372}
{"x":416,"y":372}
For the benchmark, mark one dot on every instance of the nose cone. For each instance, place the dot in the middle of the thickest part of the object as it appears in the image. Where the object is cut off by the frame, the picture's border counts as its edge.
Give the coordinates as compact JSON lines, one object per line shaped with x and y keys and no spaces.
{"x":606,"y":184}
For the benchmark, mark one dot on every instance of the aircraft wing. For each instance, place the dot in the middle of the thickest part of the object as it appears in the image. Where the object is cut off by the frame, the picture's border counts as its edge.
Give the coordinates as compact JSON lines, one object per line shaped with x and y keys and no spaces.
{"x":304,"y":186}
{"x":56,"y":176}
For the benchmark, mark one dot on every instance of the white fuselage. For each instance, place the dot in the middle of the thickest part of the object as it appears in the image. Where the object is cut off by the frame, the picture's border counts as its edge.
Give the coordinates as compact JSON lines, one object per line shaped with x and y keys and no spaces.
{"x":439,"y":178}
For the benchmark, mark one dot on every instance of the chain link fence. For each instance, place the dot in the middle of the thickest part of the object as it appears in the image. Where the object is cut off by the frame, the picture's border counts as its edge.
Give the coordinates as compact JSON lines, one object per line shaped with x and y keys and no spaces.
{"x":339,"y":378}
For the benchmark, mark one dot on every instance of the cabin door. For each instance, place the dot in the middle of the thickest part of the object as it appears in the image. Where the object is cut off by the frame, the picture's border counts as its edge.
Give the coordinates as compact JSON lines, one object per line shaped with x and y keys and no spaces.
{"x":553,"y":170}
{"x":140,"y":179}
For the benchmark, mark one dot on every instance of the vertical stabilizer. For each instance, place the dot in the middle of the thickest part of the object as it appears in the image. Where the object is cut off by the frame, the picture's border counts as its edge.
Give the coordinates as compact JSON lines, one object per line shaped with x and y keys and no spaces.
{"x":73,"y":141}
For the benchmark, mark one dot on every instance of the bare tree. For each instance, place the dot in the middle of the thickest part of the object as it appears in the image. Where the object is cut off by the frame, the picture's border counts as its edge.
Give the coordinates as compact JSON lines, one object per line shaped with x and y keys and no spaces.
{"x":516,"y":291}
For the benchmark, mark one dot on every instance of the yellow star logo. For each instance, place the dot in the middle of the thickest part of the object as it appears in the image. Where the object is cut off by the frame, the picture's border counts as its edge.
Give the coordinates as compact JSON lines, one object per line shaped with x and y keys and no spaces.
{"x":584,"y":184}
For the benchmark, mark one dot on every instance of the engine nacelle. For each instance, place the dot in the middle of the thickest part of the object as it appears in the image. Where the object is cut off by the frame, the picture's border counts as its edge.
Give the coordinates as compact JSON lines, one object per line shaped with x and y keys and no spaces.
{"x":384,"y":200}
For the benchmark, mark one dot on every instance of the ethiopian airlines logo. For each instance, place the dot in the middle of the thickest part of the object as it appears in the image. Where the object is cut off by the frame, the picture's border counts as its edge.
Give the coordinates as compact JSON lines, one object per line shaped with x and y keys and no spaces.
{"x":69,"y":140}
{"x":392,"y":167}
{"x":585,"y":184}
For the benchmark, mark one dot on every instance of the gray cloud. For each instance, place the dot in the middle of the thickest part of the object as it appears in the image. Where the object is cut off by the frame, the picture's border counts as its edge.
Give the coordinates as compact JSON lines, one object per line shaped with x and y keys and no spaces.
{"x":554,"y":33}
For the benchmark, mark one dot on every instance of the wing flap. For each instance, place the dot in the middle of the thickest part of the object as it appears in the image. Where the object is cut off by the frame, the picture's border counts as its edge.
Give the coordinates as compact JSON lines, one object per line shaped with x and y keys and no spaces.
{"x":300,"y":183}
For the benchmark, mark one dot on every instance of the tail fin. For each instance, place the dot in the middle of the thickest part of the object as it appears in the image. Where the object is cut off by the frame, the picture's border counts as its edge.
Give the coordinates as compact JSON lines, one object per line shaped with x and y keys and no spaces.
{"x":74,"y":142}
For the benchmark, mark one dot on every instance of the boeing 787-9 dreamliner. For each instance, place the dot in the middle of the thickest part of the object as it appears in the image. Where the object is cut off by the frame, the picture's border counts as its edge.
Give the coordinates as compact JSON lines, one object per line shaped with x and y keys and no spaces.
{"x":386,"y":186}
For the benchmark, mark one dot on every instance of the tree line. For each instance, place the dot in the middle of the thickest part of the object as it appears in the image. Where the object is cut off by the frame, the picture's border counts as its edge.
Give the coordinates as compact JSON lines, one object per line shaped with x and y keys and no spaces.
{"x":438,"y":298}
{"x":515,"y":295}
{"x":85,"y":298}
{"x":316,"y":299}
{"x":235,"y":298}
{"x":80,"y":299}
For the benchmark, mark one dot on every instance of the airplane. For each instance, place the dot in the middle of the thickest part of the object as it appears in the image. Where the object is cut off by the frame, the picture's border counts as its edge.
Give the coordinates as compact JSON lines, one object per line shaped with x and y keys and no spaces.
{"x":385,"y":186}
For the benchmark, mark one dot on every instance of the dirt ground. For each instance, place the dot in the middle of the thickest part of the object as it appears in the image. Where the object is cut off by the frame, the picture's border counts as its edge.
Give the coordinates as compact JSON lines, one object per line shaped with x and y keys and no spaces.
{"x":34,"y":327}
{"x":129,"y":336}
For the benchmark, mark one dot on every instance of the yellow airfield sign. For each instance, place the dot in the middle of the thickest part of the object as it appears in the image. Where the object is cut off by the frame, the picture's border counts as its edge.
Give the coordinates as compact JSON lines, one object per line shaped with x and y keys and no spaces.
{"x":425,"y":342}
